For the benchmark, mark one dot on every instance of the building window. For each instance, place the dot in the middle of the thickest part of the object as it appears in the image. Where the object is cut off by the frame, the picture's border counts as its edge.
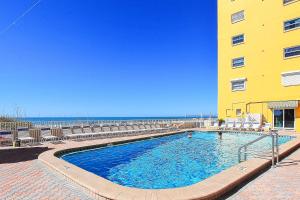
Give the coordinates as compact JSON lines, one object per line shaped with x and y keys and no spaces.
{"x":238,"y":112}
{"x":285,"y":2}
{"x":238,"y":84}
{"x":238,"y":62}
{"x":292,"y":52}
{"x":237,"y":17}
{"x":290,"y":78}
{"x":292,"y":24}
{"x":239,"y":39}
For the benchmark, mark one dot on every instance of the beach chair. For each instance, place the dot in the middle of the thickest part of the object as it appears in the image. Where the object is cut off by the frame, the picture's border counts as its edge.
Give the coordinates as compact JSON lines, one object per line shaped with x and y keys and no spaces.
{"x":238,"y":125}
{"x":76,"y":133}
{"x":88,"y":132}
{"x":158,"y":128}
{"x":165,"y":128}
{"x":106,"y":132}
{"x":115,"y":132}
{"x":77,"y":130}
{"x":58,"y":133}
{"x":67,"y":131}
{"x":256,"y":126}
{"x":87,"y":129}
{"x":35,"y":134}
{"x":123,"y":130}
{"x":47,"y":136}
{"x":256,"y":121}
{"x":223,"y":126}
{"x":153,"y":127}
{"x":267,"y":127}
{"x":137,"y":129}
{"x":148,"y":128}
{"x":143,"y":129}
{"x":216,"y":125}
{"x":131,"y":130}
{"x":247,"y":126}
{"x":97,"y":129}
{"x":24,"y":137}
{"x":230,"y":125}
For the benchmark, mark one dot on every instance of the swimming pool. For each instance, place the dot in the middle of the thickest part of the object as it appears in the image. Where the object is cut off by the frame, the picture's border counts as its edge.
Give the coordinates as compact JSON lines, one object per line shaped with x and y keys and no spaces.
{"x":166,"y":162}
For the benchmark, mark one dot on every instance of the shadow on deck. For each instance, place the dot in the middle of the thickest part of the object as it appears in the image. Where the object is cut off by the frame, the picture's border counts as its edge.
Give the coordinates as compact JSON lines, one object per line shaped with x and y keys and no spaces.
{"x":20,"y":154}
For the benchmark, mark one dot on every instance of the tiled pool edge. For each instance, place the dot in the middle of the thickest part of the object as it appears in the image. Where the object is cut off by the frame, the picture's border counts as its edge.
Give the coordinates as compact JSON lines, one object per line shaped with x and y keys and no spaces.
{"x":210,"y":188}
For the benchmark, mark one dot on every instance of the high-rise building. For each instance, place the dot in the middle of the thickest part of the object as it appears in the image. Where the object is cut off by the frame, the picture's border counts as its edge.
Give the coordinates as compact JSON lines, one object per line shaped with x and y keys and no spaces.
{"x":259,"y":60}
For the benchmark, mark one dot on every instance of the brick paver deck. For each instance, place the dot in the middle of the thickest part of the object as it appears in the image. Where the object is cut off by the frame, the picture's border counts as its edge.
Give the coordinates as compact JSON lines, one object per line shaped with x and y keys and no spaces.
{"x":280,"y":183}
{"x":31,"y":179}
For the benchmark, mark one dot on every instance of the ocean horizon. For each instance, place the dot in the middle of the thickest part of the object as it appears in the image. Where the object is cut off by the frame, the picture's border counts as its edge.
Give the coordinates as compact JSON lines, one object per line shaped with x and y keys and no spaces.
{"x":44,"y":119}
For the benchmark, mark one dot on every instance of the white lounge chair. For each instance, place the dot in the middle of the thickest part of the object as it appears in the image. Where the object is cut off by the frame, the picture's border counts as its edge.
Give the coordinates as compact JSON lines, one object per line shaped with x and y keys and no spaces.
{"x":97,"y":129}
{"x":256,"y":126}
{"x":267,"y":127}
{"x":47,"y":136}
{"x":143,"y":129}
{"x":131,"y":130}
{"x":223,"y":126}
{"x":230,"y":125}
{"x":216,"y":125}
{"x":87,"y":129}
{"x":24,"y":137}
{"x":247,"y":126}
{"x":238,"y":125}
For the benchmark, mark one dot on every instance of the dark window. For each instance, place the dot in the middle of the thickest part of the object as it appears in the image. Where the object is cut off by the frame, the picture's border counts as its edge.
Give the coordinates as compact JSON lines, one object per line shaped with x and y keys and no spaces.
{"x":238,"y":39}
{"x":238,"y":85}
{"x":292,"y":51}
{"x":289,"y":1}
{"x":292,"y":24}
{"x":238,"y":62}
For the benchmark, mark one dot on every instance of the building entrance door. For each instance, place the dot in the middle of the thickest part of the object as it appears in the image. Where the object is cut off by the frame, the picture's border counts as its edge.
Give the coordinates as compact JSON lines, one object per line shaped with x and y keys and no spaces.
{"x":284,"y":118}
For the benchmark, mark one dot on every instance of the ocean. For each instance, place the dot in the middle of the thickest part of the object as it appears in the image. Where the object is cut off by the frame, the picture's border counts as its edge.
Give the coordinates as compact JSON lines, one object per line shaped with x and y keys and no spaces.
{"x":48,"y":119}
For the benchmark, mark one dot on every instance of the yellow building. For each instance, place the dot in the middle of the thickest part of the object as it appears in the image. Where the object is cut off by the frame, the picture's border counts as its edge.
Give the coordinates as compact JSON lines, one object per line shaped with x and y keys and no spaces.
{"x":259,"y":60}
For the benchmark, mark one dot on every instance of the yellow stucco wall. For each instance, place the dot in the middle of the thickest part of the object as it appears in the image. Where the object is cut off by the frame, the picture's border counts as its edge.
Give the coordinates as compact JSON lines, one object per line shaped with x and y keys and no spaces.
{"x":265,"y":40}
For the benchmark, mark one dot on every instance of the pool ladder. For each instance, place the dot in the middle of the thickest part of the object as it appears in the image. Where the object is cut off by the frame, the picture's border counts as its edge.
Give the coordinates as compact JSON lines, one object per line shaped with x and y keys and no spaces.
{"x":275,"y":147}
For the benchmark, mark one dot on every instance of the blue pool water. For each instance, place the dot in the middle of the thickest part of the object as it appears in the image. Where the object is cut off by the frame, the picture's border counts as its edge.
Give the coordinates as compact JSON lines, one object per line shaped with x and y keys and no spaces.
{"x":166,"y":162}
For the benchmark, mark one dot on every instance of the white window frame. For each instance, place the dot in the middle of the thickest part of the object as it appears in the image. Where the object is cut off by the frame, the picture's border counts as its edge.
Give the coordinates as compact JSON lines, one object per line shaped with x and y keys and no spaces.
{"x":238,"y":80}
{"x":240,"y":13}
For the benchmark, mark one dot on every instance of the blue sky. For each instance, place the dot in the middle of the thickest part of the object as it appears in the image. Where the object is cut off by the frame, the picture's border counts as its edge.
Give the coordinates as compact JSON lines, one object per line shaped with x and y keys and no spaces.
{"x":109,"y":57}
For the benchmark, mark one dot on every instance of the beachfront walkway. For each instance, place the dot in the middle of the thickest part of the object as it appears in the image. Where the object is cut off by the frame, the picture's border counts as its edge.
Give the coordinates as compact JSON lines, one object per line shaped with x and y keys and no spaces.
{"x":280,"y":183}
{"x":24,"y":177}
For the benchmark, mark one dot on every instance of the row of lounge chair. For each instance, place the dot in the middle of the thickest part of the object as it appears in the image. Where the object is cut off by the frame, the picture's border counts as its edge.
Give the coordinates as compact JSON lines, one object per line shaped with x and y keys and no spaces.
{"x":242,"y":126}
{"x":87,"y":132}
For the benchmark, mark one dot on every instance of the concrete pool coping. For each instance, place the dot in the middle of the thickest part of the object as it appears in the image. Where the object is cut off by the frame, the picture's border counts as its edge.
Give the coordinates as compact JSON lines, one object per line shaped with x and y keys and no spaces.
{"x":210,"y":188}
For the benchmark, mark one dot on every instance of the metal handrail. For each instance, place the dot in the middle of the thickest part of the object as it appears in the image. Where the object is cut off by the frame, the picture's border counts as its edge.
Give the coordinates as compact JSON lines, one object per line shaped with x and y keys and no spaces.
{"x":246,"y":145}
{"x":275,"y":146}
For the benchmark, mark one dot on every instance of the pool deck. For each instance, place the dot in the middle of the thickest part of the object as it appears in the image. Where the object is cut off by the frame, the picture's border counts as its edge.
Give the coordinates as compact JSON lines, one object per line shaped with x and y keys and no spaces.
{"x":21,"y":177}
{"x":278,"y":183}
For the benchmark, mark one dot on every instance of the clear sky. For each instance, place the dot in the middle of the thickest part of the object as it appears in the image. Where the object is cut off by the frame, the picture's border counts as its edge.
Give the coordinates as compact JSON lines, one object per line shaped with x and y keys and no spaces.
{"x":108,"y":57}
